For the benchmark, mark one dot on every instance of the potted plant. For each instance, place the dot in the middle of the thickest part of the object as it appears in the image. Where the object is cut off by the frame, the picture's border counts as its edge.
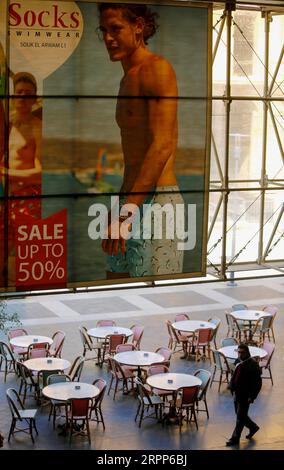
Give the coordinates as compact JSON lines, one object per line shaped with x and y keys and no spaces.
{"x":8,"y":320}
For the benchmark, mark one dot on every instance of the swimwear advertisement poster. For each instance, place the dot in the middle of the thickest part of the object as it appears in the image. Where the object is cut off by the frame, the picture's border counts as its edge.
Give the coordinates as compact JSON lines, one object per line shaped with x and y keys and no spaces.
{"x":105,"y":132}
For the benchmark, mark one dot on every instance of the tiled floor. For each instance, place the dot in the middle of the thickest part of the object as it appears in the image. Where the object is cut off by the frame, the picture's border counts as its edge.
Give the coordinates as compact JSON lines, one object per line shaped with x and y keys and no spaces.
{"x":151,"y":307}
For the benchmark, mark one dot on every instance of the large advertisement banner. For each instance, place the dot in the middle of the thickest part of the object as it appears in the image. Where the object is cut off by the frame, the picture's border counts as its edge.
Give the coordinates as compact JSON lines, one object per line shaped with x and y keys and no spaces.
{"x":105,"y":131}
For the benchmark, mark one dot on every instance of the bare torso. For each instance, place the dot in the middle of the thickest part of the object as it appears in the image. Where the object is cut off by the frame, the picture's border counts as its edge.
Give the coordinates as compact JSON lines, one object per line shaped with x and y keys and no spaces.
{"x":132,"y":117}
{"x":23,"y":148}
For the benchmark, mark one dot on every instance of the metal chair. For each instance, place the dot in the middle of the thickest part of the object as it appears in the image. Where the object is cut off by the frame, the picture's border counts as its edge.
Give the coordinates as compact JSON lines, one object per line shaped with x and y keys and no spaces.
{"x":76,"y":369}
{"x":176,"y":339}
{"x":37,"y":350}
{"x":221,"y":364}
{"x":237,"y":307}
{"x":204,"y":376}
{"x":89,"y":346}
{"x":147,"y":402}
{"x":110,"y":345}
{"x":138,"y":331}
{"x":55,"y":348}
{"x":265,"y":362}
{"x":201,"y":341}
{"x":27,"y":381}
{"x":181,"y":317}
{"x":229,"y":342}
{"x":21,"y":352}
{"x":217,"y":323}
{"x":186,"y":399}
{"x":119,"y":374}
{"x":20,"y":415}
{"x":166,"y":353}
{"x":79,"y":413}
{"x":273,"y":311}
{"x":96,"y":406}
{"x":52,"y":379}
{"x":7,"y":358}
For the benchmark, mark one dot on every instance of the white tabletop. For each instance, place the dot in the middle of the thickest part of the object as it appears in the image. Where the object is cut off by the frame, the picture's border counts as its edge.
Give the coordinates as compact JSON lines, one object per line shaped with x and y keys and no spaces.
{"x":103,"y":331}
{"x":249,"y":315}
{"x":138,"y":358}
{"x":161,"y":381}
{"x":26,"y":340}
{"x":192,"y":325}
{"x":43,"y":363}
{"x":66,"y":390}
{"x":231,"y":352}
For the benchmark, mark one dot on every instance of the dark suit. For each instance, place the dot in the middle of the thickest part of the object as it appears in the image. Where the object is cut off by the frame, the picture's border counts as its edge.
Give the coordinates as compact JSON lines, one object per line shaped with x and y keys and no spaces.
{"x":245,"y":385}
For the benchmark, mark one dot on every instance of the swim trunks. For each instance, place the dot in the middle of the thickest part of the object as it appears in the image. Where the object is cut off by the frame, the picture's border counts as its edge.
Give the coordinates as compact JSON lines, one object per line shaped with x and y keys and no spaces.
{"x":149,"y":255}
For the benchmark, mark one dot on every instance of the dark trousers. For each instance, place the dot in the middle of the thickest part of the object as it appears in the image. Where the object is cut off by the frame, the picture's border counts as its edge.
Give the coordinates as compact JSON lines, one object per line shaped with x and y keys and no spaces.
{"x":241,"y":409}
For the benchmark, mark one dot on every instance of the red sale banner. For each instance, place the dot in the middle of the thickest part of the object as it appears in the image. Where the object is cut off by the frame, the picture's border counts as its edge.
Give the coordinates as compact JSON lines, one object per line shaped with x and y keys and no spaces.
{"x":41,"y":255}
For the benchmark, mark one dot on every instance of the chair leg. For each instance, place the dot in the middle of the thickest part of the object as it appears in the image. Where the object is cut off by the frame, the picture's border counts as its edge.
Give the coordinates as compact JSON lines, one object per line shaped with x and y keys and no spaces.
{"x":269,"y":369}
{"x":12,"y":428}
{"x":115,"y":388}
{"x":110,"y":384}
{"x":35,"y":428}
{"x":31,"y":431}
{"x":213,"y":376}
{"x":88,"y":431}
{"x":102,"y":418}
{"x":220,"y":380}
{"x":206,"y":408}
{"x":137,"y":412}
{"x":141,"y":415}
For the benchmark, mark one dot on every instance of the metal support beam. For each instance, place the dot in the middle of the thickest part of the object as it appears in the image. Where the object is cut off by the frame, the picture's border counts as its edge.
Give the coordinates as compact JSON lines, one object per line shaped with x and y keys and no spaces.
{"x":267,"y":20}
{"x":227,"y":141}
{"x":273,"y":232}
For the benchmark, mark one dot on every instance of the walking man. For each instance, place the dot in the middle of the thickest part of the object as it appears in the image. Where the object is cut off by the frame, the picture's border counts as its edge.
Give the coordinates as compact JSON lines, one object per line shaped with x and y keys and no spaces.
{"x":245,"y":385}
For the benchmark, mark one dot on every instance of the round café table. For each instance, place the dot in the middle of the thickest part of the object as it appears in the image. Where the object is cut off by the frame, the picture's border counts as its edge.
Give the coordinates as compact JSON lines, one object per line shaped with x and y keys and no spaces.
{"x":171,"y":382}
{"x":101,"y":332}
{"x":190,"y":326}
{"x":138,"y":359}
{"x":26,"y":340}
{"x":47,"y":363}
{"x":231,"y":352}
{"x":250,"y":316}
{"x":64,"y":391}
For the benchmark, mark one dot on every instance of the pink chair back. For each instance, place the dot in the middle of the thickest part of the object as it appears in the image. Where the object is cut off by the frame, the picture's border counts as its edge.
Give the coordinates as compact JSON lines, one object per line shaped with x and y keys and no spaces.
{"x":269,"y":348}
{"x":270,"y":309}
{"x":157,"y":369}
{"x":181,"y":317}
{"x":137,"y":335}
{"x":38,"y":350}
{"x":125,"y":347}
{"x":56,"y":347}
{"x":16,"y":332}
{"x":165,"y":352}
{"x":106,"y":323}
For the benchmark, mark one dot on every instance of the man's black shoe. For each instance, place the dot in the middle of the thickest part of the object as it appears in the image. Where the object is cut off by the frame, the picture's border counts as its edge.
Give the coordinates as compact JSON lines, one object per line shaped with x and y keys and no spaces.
{"x":232,"y":442}
{"x":252,"y":432}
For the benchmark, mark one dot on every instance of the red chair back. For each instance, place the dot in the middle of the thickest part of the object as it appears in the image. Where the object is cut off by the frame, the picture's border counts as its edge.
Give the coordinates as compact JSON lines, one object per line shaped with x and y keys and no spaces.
{"x":80,"y":407}
{"x":204,"y":335}
{"x":114,"y":341}
{"x":189,"y":394}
